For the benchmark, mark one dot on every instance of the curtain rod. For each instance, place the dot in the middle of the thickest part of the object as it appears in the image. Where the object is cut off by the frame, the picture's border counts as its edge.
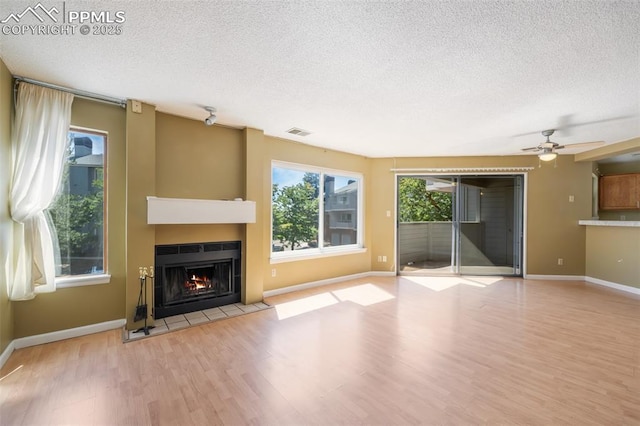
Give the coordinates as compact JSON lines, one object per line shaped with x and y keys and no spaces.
{"x":462,"y":169}
{"x":79,"y":93}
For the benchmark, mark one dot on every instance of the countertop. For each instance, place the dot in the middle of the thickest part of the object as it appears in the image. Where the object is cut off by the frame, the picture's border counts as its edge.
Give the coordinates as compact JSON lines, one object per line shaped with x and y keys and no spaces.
{"x":627,"y":223}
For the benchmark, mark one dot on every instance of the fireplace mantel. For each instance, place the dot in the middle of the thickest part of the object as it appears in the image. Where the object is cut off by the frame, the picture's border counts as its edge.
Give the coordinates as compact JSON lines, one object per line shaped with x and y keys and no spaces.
{"x":196,"y":211}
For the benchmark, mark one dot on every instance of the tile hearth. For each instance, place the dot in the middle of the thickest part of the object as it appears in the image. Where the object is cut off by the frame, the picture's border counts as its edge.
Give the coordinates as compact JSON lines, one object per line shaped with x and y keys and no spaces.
{"x":176,"y":322}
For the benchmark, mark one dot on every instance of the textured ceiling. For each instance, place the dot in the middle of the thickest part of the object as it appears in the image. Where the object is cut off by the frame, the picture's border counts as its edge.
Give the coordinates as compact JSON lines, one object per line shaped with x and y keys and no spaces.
{"x":428,"y":78}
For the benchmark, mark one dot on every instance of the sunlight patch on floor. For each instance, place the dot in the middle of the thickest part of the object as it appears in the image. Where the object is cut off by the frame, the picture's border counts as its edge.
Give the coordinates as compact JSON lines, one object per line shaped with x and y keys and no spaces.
{"x":486,"y":280}
{"x":365,"y":294}
{"x":443,"y":283}
{"x":302,"y":306}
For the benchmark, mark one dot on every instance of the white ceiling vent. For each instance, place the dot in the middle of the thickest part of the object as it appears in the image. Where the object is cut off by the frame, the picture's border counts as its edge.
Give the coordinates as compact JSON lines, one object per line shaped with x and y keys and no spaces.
{"x":298,"y":132}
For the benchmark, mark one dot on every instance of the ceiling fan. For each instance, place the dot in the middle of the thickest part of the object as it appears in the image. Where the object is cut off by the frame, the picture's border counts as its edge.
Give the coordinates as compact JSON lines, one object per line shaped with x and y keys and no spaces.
{"x":548,"y":148}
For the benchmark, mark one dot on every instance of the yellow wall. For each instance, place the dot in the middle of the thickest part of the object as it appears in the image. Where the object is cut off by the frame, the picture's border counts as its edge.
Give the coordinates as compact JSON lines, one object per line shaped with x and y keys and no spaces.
{"x":74,"y":307}
{"x":552,"y":221}
{"x":197,"y":161}
{"x":256,"y":173}
{"x":619,"y":168}
{"x":303,"y":271}
{"x":382,"y":200}
{"x":6,"y":224}
{"x":141,"y":182}
{"x":170,"y":156}
{"x":613,"y":254}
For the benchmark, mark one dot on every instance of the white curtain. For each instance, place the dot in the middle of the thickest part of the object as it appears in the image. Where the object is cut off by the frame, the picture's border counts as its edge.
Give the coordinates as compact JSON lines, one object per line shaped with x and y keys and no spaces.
{"x":39,"y":142}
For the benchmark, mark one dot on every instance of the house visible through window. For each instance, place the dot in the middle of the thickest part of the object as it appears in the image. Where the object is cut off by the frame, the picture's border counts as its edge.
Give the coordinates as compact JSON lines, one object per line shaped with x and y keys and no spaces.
{"x":314,"y":210}
{"x":345,"y":218}
{"x":77,"y":214}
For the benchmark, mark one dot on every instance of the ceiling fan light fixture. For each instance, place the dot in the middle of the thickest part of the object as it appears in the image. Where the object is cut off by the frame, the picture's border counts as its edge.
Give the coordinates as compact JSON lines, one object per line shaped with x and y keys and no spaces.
{"x":547,"y":156}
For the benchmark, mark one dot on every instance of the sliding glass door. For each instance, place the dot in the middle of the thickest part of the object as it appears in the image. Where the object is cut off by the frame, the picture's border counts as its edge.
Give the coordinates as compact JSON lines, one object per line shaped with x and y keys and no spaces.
{"x":425,"y":224}
{"x":460,"y":224}
{"x":490,"y":225}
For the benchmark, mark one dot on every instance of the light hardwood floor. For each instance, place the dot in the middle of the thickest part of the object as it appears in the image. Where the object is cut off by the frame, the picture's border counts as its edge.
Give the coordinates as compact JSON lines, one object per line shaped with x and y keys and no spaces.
{"x":404,"y":350}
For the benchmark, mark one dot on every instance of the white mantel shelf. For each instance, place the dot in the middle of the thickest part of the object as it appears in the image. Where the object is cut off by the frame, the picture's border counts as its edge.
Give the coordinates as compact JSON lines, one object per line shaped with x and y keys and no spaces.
{"x":175,"y":211}
{"x":627,"y":223}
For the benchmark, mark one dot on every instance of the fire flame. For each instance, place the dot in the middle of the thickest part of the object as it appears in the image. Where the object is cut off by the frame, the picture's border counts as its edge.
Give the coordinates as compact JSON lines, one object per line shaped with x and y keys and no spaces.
{"x":197,"y":283}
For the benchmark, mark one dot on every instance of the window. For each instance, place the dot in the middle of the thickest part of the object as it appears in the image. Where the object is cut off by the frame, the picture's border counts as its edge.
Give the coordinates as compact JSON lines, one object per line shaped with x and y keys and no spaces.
{"x":345,"y":217}
{"x":314,"y":210}
{"x":77,"y":214}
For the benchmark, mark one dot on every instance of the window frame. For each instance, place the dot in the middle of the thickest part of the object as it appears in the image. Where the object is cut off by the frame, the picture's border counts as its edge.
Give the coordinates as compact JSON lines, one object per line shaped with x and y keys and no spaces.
{"x":320,"y":251}
{"x":80,"y":280}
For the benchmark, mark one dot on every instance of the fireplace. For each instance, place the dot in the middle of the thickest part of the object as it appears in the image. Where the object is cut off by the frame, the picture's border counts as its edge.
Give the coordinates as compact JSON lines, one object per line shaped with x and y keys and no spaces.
{"x":193,"y":277}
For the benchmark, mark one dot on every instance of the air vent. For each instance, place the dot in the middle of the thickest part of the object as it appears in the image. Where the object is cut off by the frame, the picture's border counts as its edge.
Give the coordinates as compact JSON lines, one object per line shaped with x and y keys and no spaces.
{"x":298,"y":132}
{"x":166,"y":250}
{"x":190,"y":248}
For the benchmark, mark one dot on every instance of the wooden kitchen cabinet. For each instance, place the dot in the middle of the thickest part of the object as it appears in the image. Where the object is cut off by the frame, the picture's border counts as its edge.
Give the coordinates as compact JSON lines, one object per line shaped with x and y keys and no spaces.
{"x":620,"y":192}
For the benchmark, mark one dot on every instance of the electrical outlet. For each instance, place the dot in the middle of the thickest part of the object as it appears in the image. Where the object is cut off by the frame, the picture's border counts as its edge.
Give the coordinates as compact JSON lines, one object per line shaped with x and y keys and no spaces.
{"x":273,"y":272}
{"x":379,"y":258}
{"x":560,"y":261}
{"x":571,"y":198}
{"x":388,"y":213}
{"x":384,"y":258}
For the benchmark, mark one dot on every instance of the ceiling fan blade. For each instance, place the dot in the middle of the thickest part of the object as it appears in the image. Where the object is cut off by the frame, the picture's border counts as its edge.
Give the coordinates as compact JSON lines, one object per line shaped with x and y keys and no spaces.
{"x":537,"y":132}
{"x":533,"y":149}
{"x":564,"y":125}
{"x":580,"y":144}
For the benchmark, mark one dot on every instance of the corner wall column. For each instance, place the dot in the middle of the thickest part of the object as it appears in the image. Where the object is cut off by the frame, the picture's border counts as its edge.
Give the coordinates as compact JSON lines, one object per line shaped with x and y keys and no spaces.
{"x":141,"y":181}
{"x":253,"y":279}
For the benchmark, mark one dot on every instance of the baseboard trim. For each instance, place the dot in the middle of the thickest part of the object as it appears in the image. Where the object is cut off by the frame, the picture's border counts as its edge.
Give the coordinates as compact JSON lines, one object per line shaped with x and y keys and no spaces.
{"x":382,"y":274}
{"x":319,"y":283}
{"x":592,"y":280}
{"x":621,"y":287}
{"x":7,"y":353}
{"x":54,"y":336}
{"x":555,"y":277}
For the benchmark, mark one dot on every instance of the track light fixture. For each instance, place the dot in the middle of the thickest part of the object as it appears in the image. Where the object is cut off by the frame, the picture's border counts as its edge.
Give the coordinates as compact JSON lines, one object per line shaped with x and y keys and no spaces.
{"x":212,"y":116}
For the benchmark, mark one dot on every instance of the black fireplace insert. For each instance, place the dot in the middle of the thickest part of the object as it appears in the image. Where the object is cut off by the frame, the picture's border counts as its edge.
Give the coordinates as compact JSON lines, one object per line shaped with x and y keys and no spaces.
{"x":193,"y":277}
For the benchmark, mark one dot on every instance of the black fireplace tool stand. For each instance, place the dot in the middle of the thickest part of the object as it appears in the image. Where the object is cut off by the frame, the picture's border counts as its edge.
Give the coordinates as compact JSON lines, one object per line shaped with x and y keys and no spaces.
{"x":141,"y":307}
